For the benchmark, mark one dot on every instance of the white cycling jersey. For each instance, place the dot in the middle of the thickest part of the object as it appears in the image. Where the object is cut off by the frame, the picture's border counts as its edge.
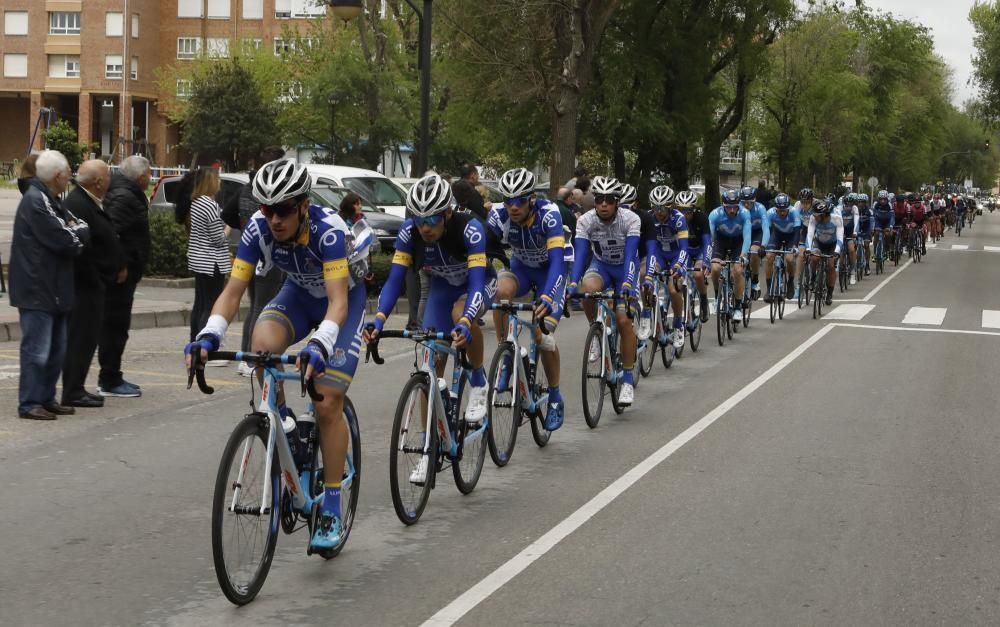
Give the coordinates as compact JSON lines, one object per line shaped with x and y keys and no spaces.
{"x":607,"y":239}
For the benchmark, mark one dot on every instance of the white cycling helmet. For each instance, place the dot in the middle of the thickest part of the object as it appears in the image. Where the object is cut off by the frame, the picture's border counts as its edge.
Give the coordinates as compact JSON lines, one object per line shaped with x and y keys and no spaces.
{"x":661,"y":196}
{"x":429,"y":196}
{"x":605,"y":186}
{"x":629,"y":194}
{"x":687,"y":199}
{"x":516,"y":183}
{"x":278,"y":181}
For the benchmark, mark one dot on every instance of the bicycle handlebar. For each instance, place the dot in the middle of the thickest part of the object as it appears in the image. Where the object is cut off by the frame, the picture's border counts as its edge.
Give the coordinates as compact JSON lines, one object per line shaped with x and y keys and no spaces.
{"x":260,"y":359}
{"x":422,"y":335}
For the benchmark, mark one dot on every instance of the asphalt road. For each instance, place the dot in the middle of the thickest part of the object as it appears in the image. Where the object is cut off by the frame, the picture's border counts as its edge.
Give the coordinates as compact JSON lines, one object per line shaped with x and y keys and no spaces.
{"x":811,"y":472}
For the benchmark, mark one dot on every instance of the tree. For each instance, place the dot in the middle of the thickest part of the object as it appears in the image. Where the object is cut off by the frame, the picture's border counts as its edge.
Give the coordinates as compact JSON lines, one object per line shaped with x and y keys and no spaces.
{"x":62,"y":137}
{"x":985,"y":18}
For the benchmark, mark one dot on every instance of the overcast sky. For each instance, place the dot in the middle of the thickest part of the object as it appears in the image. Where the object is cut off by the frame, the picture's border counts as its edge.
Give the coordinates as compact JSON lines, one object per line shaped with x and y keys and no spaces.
{"x":949,"y":24}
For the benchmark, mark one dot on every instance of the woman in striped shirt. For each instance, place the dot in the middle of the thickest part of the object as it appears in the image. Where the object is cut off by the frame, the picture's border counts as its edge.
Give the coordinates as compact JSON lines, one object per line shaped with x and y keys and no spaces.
{"x":208,"y":250}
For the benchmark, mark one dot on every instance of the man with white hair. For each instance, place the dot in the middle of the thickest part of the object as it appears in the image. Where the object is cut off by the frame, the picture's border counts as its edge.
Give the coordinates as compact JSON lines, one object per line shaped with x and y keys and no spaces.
{"x":127,"y":206}
{"x":46,"y":239}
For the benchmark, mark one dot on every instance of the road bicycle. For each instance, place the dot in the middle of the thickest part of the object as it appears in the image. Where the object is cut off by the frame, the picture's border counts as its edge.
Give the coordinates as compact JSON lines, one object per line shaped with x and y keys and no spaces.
{"x":525,"y":398}
{"x":427,"y":399}
{"x":603,"y":370}
{"x":692,"y":313}
{"x":271,"y":475}
{"x":819,"y":286}
{"x":914,"y":242}
{"x":662,"y":336}
{"x":748,"y":293}
{"x":844,"y":271}
{"x":878,"y":251}
{"x":777,"y":288}
{"x":861,"y":263}
{"x":725,"y":304}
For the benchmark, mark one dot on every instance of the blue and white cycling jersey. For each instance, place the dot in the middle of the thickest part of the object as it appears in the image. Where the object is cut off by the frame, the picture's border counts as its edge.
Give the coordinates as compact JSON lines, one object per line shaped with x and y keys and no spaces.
{"x":849,"y":214}
{"x":538,"y":248}
{"x":785,"y":231}
{"x":758,"y":216}
{"x":614,"y":244}
{"x":884,"y":215}
{"x":827,"y":235}
{"x":671,"y":242}
{"x":866,"y":220}
{"x":731,"y":228}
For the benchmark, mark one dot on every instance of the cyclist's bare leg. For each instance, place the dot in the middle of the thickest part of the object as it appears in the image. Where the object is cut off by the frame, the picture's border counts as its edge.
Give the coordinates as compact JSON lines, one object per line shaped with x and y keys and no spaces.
{"x":506,"y":289}
{"x":738,"y":280}
{"x":591,"y":283}
{"x":852,"y":253}
{"x":831,"y":273}
{"x":272,"y":337}
{"x":754,"y":260}
{"x":549,"y":359}
{"x":768,"y":269}
{"x":473,"y":349}
{"x":676,"y":298}
{"x":629,"y":342}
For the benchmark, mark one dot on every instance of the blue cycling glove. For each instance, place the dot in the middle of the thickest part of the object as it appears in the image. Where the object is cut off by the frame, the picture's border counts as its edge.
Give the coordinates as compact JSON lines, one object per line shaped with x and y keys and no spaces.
{"x":207,"y":341}
{"x":313,"y":354}
{"x":464,"y":331}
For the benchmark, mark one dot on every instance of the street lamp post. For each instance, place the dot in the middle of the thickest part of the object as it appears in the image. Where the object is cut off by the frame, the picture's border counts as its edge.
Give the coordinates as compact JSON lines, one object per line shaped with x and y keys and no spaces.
{"x":334,"y":100}
{"x":350,"y":9}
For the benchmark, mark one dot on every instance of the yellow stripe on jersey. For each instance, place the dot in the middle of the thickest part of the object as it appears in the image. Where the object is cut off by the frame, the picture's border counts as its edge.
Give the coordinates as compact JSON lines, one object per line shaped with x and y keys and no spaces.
{"x":683,"y":234}
{"x":477,"y":260}
{"x":402,"y":259}
{"x":243,"y":270}
{"x":336,"y":269}
{"x":555,"y":242}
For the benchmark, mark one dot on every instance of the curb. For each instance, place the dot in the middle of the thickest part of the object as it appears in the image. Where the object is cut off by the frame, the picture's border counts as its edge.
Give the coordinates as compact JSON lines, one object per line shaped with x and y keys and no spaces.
{"x":187,"y":283}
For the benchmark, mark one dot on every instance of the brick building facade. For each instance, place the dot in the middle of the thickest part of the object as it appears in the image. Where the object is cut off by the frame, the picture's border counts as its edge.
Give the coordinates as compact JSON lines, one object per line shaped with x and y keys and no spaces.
{"x":87,"y":61}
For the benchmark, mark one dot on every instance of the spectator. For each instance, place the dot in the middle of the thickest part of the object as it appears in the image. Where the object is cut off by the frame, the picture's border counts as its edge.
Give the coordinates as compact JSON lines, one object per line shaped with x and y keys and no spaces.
{"x":563,"y":200}
{"x":266,"y":282}
{"x":27,"y":173}
{"x":464,"y":190}
{"x":208,"y":250}
{"x":46,"y":239}
{"x":579,"y":173}
{"x":350,"y":208}
{"x":576,"y":202}
{"x":101,"y":264}
{"x":762,"y":195}
{"x":127,"y":206}
{"x":587,"y":199}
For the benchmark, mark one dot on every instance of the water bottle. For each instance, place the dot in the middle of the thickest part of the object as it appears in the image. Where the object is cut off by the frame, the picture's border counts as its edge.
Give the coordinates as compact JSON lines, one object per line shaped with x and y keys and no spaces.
{"x":288,"y":426}
{"x":306,"y":428}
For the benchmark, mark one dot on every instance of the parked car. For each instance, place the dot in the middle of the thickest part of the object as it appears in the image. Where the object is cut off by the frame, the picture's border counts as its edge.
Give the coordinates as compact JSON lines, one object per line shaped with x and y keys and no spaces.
{"x":385,"y":225}
{"x":164,"y":196}
{"x":405,"y":183}
{"x":369,"y":184}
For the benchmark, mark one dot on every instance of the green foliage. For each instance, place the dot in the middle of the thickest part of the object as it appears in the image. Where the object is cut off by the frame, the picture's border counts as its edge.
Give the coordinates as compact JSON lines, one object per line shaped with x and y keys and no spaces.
{"x":168,"y":246}
{"x":380,"y":265}
{"x":985,"y":18}
{"x":62,"y":137}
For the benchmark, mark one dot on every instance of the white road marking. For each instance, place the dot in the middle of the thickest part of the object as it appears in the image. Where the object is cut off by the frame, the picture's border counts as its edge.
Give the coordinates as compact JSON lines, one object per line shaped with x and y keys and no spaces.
{"x":992,"y":249}
{"x":991,"y":319}
{"x":959,"y":247}
{"x":478,"y":593}
{"x":925,"y":315}
{"x":932,"y":245}
{"x":849,"y":312}
{"x":885,"y":282}
{"x":880,"y":327}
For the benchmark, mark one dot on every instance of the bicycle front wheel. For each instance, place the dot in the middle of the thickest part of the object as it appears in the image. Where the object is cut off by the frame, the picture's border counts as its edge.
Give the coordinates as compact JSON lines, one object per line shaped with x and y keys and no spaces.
{"x":592,"y":386}
{"x":406,"y":449}
{"x":504,"y":408}
{"x":350,"y":479}
{"x":695,"y":331}
{"x":538,"y":430}
{"x":244,"y":533}
{"x":652,"y":344}
{"x":469,"y":467}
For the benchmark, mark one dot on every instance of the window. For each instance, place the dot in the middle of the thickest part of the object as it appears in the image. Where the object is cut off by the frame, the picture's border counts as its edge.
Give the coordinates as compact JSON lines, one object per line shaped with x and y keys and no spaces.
{"x":308,"y":8}
{"x":253,"y":9}
{"x":64,"y":66}
{"x":379,"y":190}
{"x":189,"y":8}
{"x":283,"y":46}
{"x":64,"y":23}
{"x":134,"y":69}
{"x":183,"y":88}
{"x":135,"y":26}
{"x":15,"y":23}
{"x":218,"y":9}
{"x":113,"y":66}
{"x":188,"y":47}
{"x":252,"y":45}
{"x":114,"y":24}
{"x":282,"y":8}
{"x":217,"y":47}
{"x":290,"y":91}
{"x":15,"y":65}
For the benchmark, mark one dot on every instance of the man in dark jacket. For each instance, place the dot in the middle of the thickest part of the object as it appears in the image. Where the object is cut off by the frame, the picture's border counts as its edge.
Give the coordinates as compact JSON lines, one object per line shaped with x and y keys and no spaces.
{"x":101,"y":264}
{"x":466,"y":195}
{"x":127,"y":206}
{"x":46,"y":239}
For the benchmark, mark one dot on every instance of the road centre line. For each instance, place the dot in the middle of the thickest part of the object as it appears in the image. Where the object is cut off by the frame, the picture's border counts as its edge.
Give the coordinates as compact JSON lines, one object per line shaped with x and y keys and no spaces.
{"x":467,"y":601}
{"x":885,"y":282}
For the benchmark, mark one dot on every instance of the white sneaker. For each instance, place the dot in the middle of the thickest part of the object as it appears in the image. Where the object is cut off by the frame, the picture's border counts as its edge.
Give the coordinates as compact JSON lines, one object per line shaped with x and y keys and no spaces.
{"x":645,"y":327}
{"x":678,"y":338}
{"x":595,"y":353}
{"x":419,"y":474}
{"x":854,"y":280}
{"x":217,"y":363}
{"x":476,"y":410}
{"x":738,"y":314}
{"x":244,"y":369}
{"x":626,"y":395}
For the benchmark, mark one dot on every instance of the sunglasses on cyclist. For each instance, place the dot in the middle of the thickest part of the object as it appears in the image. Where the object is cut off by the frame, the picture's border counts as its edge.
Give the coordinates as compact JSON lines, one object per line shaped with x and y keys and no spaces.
{"x":605,"y":198}
{"x":429,"y":220}
{"x":516,"y":201}
{"x":282,"y":210}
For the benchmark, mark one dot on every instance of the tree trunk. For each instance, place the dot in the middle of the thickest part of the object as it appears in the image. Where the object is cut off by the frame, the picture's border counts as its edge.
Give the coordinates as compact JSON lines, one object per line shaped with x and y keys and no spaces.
{"x":563,"y":145}
{"x":710,"y":168}
{"x":618,"y":159}
{"x":678,"y":167}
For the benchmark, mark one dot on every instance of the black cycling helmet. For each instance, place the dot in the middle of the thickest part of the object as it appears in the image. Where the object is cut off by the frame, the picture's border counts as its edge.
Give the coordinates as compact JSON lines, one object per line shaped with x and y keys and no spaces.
{"x":731,"y":198}
{"x":782,"y":201}
{"x":822,"y":208}
{"x":805,"y":193}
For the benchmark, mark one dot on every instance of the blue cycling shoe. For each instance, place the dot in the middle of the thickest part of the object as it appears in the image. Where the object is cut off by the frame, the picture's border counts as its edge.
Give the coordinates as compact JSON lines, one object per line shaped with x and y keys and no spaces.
{"x":554,"y":417}
{"x":327,"y":534}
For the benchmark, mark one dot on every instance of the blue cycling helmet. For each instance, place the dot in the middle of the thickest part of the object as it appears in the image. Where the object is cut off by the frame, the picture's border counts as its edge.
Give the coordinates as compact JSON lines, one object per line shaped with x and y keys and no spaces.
{"x":782,"y":201}
{"x":731,"y":197}
{"x":748,"y":193}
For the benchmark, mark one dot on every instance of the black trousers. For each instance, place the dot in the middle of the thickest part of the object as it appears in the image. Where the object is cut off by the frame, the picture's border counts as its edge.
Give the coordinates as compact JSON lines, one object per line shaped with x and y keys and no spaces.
{"x":114,"y":332}
{"x":81,"y":340}
{"x":207,"y":288}
{"x":262,"y":290}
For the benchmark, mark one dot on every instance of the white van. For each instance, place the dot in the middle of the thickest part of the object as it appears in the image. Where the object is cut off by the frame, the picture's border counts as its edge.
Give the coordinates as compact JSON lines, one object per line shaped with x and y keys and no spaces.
{"x":374,"y":187}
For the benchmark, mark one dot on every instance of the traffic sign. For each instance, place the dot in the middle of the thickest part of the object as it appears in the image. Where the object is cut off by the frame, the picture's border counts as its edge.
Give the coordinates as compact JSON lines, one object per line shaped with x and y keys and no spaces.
{"x":872,"y":182}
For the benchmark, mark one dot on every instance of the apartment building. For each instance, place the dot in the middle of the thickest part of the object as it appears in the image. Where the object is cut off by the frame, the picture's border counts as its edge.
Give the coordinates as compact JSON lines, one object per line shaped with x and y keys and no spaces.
{"x":92,"y":63}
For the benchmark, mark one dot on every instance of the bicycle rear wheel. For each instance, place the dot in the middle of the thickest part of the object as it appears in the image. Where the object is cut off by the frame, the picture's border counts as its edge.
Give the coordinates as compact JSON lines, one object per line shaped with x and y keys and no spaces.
{"x":406,"y":448}
{"x":652,"y":344}
{"x":592,"y":385}
{"x":694,"y":333}
{"x":243,"y":536}
{"x":678,"y":353}
{"x":721,"y":323}
{"x":538,"y":431}
{"x":469,"y":468}
{"x":504,"y":408}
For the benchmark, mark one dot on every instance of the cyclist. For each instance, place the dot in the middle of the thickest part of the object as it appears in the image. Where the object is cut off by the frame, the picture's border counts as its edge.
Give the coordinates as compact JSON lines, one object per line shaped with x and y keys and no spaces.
{"x":325,"y":264}
{"x":850,"y":216}
{"x":670,"y":251}
{"x":613,"y":237}
{"x":452,"y":246}
{"x":826,"y":236}
{"x":647,"y":247}
{"x":804,"y":206}
{"x":533,"y":229}
{"x":885,"y":218}
{"x":759,"y":230}
{"x":918,"y":217}
{"x":937,"y":208}
{"x":731,"y":229}
{"x":699,"y":245}
{"x":866,"y":223}
{"x":786,"y":228}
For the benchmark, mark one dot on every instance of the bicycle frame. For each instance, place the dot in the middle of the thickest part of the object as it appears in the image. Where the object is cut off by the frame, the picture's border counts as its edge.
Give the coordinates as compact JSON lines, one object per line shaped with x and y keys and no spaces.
{"x":609,"y":325}
{"x":525,"y":380}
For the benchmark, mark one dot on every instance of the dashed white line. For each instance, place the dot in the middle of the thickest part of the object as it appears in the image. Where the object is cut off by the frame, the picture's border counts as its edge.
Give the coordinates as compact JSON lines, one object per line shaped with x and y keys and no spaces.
{"x":925,"y":315}
{"x":991,"y":319}
{"x":849,"y":312}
